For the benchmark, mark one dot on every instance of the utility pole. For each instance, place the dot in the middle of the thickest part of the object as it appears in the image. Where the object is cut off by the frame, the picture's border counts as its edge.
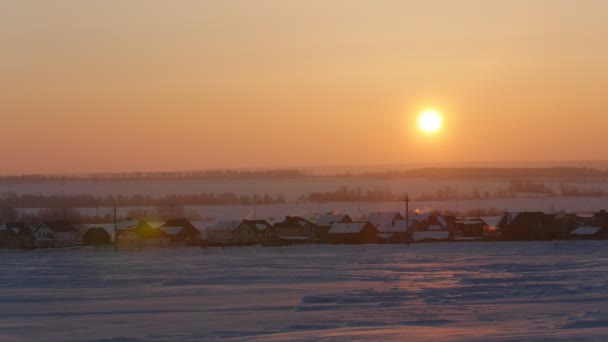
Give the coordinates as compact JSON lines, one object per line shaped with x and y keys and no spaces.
{"x":407,"y":219}
{"x":359,"y":200}
{"x":115,"y":231}
{"x":254,"y":213}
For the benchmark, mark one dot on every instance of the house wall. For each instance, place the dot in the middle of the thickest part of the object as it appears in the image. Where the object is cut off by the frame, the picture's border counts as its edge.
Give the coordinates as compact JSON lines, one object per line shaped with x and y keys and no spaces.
{"x":44,"y":237}
{"x":245,"y":235}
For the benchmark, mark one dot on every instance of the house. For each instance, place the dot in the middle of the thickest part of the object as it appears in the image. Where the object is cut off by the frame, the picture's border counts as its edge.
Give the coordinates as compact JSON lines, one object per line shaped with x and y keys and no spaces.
{"x":520,"y":226}
{"x":220,"y":234}
{"x":16,"y":236}
{"x":384,"y":218}
{"x":180,"y":231}
{"x":293,"y":230}
{"x":600,"y":219}
{"x":56,"y":233}
{"x":129,"y":239}
{"x":431,"y":227}
{"x":324,"y":222}
{"x":392,"y":227}
{"x":469,"y":228}
{"x":252,"y":232}
{"x":96,"y":236}
{"x":597,"y":228}
{"x":359,"y":232}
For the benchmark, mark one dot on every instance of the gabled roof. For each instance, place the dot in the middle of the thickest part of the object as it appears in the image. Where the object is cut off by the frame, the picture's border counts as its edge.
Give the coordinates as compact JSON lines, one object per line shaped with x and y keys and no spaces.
{"x":155,"y":224}
{"x":348,"y":228}
{"x":383,"y":218}
{"x":259,"y":225}
{"x":586,"y":231}
{"x":201,"y":226}
{"x":293,"y":221}
{"x":327,"y":220}
{"x":491,"y":221}
{"x":398,"y":226}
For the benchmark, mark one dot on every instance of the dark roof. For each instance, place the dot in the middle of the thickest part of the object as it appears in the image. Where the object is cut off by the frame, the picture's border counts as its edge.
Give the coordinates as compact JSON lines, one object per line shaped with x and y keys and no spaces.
{"x":59,"y":226}
{"x":293,"y":221}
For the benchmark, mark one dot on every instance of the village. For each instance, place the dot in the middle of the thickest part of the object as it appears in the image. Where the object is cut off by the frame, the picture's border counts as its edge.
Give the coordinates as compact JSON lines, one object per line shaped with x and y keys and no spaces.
{"x":329,"y":228}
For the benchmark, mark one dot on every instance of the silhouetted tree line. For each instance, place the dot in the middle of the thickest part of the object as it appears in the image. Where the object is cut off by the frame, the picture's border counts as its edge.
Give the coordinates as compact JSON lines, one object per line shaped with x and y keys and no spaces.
{"x":172,"y":175}
{"x":13,"y":200}
{"x":346,"y":194}
{"x":556,"y":174}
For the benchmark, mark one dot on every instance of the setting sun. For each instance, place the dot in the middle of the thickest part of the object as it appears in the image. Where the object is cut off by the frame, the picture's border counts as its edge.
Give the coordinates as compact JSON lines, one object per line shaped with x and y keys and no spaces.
{"x":430,"y":121}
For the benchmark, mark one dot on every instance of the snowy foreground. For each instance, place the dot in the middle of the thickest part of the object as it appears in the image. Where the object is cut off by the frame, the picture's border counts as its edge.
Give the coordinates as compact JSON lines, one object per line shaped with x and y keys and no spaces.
{"x":543,"y":291}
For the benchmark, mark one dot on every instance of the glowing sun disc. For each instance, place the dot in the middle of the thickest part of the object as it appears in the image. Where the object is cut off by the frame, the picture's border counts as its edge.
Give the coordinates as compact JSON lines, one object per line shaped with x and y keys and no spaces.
{"x":430,"y":121}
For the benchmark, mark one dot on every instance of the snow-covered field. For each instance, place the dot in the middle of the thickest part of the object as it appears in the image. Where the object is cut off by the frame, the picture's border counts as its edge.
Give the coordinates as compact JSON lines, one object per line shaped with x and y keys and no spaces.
{"x":543,"y":291}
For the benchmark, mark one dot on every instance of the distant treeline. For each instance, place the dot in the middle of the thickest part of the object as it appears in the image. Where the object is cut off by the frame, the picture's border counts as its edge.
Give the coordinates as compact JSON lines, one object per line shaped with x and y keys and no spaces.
{"x":447,"y":193}
{"x":157,"y":176}
{"x":13,"y":200}
{"x":555,"y":174}
{"x":503,"y":174}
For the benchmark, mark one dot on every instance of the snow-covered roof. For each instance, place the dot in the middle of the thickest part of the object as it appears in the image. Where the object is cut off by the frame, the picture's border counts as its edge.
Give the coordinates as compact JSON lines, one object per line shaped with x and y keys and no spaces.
{"x":419,"y":217}
{"x":345,"y":228}
{"x":201,"y":226}
{"x":394,"y":227}
{"x":435,"y":227}
{"x":380,"y":218}
{"x":327,"y":220}
{"x":261,"y":226}
{"x":491,"y":221}
{"x":442,"y":221}
{"x":171,"y":230}
{"x":431,"y":235}
{"x":155,"y":224}
{"x":586,"y":231}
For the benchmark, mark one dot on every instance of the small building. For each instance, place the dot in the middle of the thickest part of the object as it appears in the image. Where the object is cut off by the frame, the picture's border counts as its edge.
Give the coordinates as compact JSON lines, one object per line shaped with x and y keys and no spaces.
{"x":132,"y":239}
{"x":56,"y":233}
{"x":180,"y":231}
{"x":431,"y":227}
{"x":391,"y":225}
{"x":528,"y":226}
{"x":252,"y":232}
{"x":220,"y":233}
{"x":469,"y":228}
{"x":360,"y":232}
{"x":96,"y":236}
{"x":324,"y":223}
{"x":394,"y":232}
{"x":16,"y":236}
{"x":293,"y":230}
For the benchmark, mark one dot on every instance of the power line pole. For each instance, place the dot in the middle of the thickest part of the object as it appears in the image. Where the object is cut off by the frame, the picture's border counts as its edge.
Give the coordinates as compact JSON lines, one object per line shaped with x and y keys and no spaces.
{"x":254,"y":208}
{"x":407,"y":219}
{"x":115,"y":231}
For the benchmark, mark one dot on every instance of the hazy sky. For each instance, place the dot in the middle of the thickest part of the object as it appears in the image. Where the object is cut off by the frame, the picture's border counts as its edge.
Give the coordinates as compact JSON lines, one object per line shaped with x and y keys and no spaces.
{"x":90,"y":86}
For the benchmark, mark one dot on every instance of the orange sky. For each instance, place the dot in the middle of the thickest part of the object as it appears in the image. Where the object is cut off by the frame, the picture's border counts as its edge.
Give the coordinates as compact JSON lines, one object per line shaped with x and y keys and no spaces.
{"x":156,"y":85}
